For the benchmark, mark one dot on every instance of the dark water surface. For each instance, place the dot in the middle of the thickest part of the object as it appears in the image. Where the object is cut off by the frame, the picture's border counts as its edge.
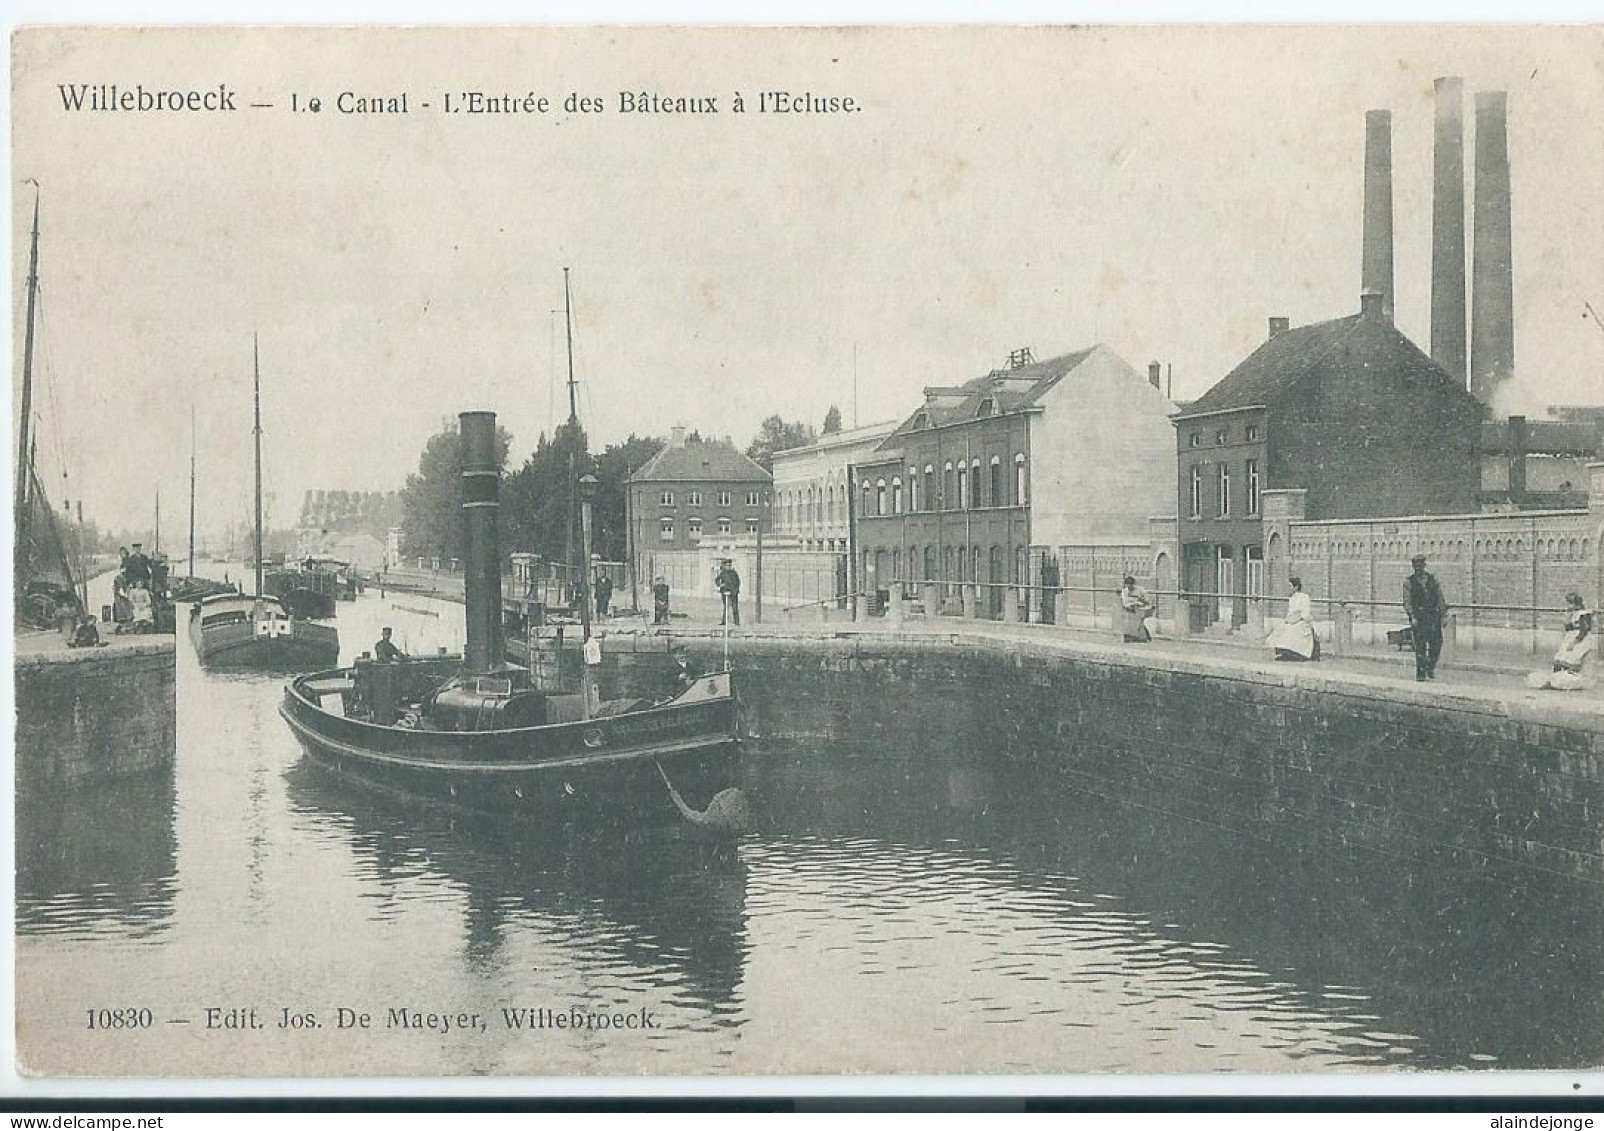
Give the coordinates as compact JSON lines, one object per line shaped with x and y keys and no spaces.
{"x":901,"y":910}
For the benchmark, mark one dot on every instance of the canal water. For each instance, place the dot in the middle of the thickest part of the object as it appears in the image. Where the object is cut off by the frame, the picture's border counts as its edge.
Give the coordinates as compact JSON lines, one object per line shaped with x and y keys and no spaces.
{"x":900,"y":909}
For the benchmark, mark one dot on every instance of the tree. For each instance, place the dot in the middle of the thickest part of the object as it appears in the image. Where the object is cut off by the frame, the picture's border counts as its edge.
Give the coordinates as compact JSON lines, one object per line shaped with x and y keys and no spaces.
{"x":776,"y":435}
{"x":431,"y":503}
{"x":832,"y":421}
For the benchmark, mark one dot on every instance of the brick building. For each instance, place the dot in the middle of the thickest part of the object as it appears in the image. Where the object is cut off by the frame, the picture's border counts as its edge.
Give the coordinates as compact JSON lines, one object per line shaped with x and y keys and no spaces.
{"x":690,"y":491}
{"x":1351,"y":412}
{"x":988,"y":481}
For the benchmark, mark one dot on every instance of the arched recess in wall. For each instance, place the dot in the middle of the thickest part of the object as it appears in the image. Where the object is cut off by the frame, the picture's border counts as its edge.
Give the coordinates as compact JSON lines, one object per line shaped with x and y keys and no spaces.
{"x":1164,"y":580}
{"x":1273,"y":570}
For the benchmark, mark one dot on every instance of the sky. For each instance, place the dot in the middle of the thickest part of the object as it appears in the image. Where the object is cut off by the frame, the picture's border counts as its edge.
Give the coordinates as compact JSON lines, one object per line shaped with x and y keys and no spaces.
{"x":1161,"y":190}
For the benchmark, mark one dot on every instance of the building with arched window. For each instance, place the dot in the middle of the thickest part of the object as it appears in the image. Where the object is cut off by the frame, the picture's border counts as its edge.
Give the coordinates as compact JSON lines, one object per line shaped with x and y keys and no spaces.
{"x":815,"y":475}
{"x":1012,"y":466}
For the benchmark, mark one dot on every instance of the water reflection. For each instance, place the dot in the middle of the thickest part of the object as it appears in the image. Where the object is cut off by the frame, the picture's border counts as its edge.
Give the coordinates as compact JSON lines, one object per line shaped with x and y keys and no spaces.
{"x":665,"y":907}
{"x":96,"y":859}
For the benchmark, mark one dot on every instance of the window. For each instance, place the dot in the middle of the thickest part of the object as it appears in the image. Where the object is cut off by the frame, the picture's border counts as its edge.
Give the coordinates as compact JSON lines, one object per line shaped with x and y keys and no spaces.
{"x":963,"y":487}
{"x":865,"y":497}
{"x":1253,"y":486}
{"x":665,"y":530}
{"x":880,"y":496}
{"x":1225,"y":490}
{"x":930,"y":488}
{"x":896,"y":495}
{"x":1196,"y":507}
{"x":997,"y":498}
{"x":667,"y":498}
{"x":755,"y":499}
{"x":1253,"y":431}
{"x":988,"y":407}
{"x":948,"y":494}
{"x":921,"y":420}
{"x":1255,"y":572}
{"x":1194,"y":440}
{"x":913,"y":489}
{"x":693,"y":529}
{"x":1019,"y":479}
{"x":930,"y":566}
{"x":693,"y":498}
{"x":723,"y":498}
{"x":1222,"y":435}
{"x":751,"y":526}
{"x":723,"y":525}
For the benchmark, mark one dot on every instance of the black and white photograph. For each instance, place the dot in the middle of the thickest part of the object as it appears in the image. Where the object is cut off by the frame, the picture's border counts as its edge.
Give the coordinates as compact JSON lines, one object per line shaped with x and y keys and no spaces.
{"x":616,"y":552}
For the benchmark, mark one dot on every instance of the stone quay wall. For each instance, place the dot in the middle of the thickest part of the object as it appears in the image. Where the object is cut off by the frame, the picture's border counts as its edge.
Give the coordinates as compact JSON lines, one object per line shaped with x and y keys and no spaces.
{"x":95,"y":715}
{"x":1419,"y":778}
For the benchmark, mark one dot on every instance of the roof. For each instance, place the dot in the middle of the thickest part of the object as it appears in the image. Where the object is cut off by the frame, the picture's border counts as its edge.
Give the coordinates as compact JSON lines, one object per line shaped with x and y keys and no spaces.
{"x":1287,"y":358}
{"x":1544,"y":437}
{"x":842,"y":438}
{"x":1011,"y":390}
{"x":700,"y":461}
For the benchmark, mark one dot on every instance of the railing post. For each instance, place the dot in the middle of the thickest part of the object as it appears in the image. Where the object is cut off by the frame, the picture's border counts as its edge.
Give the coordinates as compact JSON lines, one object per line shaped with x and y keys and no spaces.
{"x":894,"y":608}
{"x":1182,"y":629}
{"x":1342,"y":630}
{"x":970,"y":600}
{"x":1011,"y":605}
{"x":1450,"y":636}
{"x":1061,"y":607}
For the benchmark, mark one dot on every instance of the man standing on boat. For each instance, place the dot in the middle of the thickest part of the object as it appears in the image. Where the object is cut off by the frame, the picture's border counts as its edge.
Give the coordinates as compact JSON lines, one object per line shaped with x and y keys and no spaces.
{"x":385,"y":650}
{"x":729,"y":587}
{"x":1425,"y":606}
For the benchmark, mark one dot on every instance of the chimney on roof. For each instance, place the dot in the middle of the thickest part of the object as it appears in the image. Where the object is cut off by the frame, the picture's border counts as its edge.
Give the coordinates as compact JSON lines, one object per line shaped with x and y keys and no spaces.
{"x":1492,"y":287}
{"x":1279,"y":323}
{"x":1372,"y":304}
{"x":1448,"y":228}
{"x":1021,"y":357}
{"x":676,"y":436}
{"x":1376,"y":269}
{"x":1154,"y":373}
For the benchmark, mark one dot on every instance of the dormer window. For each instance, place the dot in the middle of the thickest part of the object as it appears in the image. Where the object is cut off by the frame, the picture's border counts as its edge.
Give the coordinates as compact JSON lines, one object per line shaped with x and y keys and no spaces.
{"x":921,"y":420}
{"x":988,"y":407}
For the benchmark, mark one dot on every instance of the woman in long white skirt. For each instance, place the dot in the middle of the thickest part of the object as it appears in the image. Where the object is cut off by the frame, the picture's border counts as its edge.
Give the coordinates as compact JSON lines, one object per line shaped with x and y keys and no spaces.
{"x":1293,"y":638}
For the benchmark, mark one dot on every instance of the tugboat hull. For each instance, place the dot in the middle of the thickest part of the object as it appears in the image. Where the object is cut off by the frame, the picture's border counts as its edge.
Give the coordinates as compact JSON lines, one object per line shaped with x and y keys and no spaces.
{"x":240,"y":644}
{"x":596,"y":767}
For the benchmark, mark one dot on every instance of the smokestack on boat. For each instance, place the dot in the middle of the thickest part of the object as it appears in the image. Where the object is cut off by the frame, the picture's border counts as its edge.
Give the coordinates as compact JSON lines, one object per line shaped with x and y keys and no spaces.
{"x":481,"y":505}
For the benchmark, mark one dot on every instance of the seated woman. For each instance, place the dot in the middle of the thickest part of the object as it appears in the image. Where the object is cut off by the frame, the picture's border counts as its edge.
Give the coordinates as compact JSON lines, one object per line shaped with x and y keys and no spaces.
{"x":1294,"y":639}
{"x":1575,"y":647}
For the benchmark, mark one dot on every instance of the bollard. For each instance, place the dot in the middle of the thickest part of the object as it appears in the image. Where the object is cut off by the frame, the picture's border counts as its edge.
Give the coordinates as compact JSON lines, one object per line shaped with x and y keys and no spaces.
{"x":822,"y":613}
{"x":894,"y":610}
{"x":1450,"y":635}
{"x":931,"y":595}
{"x":860,"y":610}
{"x":1255,"y":624}
{"x":970,"y":603}
{"x":1342,"y":631}
{"x":1010,"y":609}
{"x":1061,"y":609}
{"x":1182,"y":628}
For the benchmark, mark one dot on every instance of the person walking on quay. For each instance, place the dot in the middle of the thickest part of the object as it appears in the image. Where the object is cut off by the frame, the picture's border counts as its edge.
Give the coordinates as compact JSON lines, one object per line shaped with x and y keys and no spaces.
{"x":1294,"y":639}
{"x":729,"y":587}
{"x":660,"y":601}
{"x":1574,"y":650}
{"x":1425,"y":606}
{"x":1136,"y":608}
{"x":604,"y":593}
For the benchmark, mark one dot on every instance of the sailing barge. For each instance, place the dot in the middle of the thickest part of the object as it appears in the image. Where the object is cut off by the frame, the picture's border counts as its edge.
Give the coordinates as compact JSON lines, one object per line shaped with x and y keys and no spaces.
{"x":473,"y":730}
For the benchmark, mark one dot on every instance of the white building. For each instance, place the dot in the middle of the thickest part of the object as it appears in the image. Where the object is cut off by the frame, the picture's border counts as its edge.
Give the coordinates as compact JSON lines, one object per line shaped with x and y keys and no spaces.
{"x":810,"y":487}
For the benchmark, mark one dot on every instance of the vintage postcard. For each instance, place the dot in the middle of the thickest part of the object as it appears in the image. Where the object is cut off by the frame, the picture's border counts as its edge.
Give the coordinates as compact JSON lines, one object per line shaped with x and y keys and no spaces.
{"x":617,"y":551}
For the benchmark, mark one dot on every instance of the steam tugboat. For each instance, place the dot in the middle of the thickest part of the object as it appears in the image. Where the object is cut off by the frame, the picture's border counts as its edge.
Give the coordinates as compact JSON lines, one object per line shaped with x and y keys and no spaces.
{"x":474,"y":731}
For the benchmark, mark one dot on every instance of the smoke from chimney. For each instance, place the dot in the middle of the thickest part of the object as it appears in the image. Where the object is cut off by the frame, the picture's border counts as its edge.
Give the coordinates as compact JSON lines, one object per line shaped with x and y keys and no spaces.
{"x":1448,"y":228}
{"x":1492,"y":296}
{"x":1376,"y":270}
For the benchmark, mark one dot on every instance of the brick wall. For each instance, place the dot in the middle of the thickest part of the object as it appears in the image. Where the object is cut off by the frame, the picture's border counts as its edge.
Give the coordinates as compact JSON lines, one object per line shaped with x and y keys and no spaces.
{"x":94,"y":715}
{"x":1421,"y":780}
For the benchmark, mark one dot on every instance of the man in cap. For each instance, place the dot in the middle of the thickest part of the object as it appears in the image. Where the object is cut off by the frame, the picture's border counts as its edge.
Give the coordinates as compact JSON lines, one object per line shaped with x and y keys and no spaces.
{"x":1424,"y":605}
{"x":385,"y":651}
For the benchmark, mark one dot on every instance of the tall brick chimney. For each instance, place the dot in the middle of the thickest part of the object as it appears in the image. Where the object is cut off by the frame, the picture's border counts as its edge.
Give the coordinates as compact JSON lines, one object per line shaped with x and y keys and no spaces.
{"x":1376,"y":271}
{"x":1448,"y":228}
{"x":1492,"y":295}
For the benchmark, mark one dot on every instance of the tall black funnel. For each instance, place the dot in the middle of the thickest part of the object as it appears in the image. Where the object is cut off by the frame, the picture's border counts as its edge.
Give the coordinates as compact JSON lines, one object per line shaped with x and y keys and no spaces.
{"x":481,"y":505}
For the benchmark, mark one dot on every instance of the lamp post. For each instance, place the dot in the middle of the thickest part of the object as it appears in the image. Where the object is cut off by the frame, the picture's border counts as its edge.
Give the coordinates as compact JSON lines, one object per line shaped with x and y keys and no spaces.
{"x":587,"y":492}
{"x":757,"y":608}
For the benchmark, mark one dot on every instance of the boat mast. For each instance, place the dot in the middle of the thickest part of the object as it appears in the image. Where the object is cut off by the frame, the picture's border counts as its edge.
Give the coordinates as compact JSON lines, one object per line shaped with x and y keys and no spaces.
{"x":256,"y":372}
{"x":573,"y":436}
{"x":192,"y":490}
{"x":25,"y":442}
{"x":156,"y":536}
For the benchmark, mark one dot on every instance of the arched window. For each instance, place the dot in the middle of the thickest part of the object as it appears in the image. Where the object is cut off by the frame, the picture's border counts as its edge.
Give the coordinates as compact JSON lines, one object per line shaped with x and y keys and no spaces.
{"x":930,"y":566}
{"x":913,"y":489}
{"x":963,"y":487}
{"x":997,"y":498}
{"x":930,"y":488}
{"x":949,"y":491}
{"x":880,"y":496}
{"x":896,"y":566}
{"x":974,"y":484}
{"x":896,"y":494}
{"x":1019,"y":479}
{"x":866,"y":510}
